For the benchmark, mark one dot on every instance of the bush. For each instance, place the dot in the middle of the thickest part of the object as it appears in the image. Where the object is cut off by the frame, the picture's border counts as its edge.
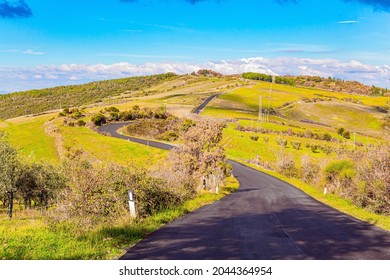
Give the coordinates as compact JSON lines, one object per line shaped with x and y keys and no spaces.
{"x":81,"y":123}
{"x":346,"y":135}
{"x":296,"y":145}
{"x":254,"y":137}
{"x":373,"y":174}
{"x":281,"y":142}
{"x":99,"y":119}
{"x":327,"y":137}
{"x":308,"y":134}
{"x":98,"y":195}
{"x":339,"y":175}
{"x":310,"y":170}
{"x":170,"y":136}
{"x":340,"y":131}
{"x":285,"y":165}
{"x":314,"y":148}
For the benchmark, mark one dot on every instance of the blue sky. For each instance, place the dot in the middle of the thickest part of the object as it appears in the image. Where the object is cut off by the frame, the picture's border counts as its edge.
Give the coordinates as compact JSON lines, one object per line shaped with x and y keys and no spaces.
{"x":47,"y":43}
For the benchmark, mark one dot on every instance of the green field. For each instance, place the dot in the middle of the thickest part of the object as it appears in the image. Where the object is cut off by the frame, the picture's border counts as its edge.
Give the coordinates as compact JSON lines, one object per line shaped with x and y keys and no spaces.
{"x":28,"y":135}
{"x":108,"y":149}
{"x":246,"y":100}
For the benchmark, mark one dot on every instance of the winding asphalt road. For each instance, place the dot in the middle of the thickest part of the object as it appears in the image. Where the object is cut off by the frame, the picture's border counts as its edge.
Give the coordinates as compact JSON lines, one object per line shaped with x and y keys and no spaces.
{"x":265,"y":218}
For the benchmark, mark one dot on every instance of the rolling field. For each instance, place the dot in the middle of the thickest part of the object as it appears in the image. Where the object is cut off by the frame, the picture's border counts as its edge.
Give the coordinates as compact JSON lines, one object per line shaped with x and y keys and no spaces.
{"x":28,"y":135}
{"x":247,"y":99}
{"x":108,"y":149}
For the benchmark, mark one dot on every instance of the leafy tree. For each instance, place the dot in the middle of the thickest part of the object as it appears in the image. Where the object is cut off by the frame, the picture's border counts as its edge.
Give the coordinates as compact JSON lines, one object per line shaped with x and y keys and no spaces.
{"x":9,"y":171}
{"x":200,"y":158}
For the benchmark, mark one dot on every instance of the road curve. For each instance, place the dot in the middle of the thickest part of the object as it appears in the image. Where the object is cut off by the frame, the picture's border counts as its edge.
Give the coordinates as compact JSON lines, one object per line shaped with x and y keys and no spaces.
{"x":205,"y":102}
{"x":265,"y":218}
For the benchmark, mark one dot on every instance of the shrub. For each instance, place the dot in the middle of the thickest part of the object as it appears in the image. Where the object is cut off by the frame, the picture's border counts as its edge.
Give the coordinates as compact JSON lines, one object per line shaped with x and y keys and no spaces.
{"x":266,"y":139}
{"x":373,"y":174}
{"x":346,"y":135}
{"x":327,"y":137}
{"x":111,"y":109}
{"x":308,"y":134}
{"x":170,"y":136}
{"x":254,"y":137}
{"x":113,"y":116}
{"x":98,"y":195}
{"x":99,"y":119}
{"x":314,"y":148}
{"x":81,"y":123}
{"x":339,"y":175}
{"x":296,"y":145}
{"x":281,"y":142}
{"x":285,"y":165}
{"x":310,"y":170}
{"x":340,"y":131}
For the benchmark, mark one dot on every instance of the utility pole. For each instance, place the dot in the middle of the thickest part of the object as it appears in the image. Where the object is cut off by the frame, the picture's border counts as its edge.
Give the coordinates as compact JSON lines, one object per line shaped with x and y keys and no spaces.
{"x":260,"y":109}
{"x":269,"y":98}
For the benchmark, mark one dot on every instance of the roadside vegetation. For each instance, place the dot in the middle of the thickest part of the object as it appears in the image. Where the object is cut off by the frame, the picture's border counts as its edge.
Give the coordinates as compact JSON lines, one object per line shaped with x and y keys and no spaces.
{"x":79,"y":209}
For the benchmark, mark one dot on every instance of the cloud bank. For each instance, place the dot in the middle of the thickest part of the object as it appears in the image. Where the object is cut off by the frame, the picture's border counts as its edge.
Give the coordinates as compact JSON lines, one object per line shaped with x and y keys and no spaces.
{"x":17,"y":79}
{"x":15,"y":10}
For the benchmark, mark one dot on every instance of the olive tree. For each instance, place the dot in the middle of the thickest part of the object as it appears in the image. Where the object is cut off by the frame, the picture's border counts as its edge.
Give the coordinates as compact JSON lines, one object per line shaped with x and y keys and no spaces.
{"x":200,"y":160}
{"x":9,"y":171}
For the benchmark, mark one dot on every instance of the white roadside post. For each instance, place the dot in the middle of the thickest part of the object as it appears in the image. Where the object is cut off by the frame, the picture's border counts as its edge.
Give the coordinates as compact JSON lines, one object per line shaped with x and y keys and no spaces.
{"x":132,"y":205}
{"x":216,"y":183}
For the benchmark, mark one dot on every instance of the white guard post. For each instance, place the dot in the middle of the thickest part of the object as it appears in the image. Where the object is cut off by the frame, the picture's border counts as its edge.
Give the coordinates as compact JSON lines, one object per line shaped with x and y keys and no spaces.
{"x":132,"y":205}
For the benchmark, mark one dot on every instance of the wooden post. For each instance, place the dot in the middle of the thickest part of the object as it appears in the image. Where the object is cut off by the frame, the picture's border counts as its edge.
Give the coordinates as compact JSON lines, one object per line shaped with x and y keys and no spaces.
{"x":10,"y":203}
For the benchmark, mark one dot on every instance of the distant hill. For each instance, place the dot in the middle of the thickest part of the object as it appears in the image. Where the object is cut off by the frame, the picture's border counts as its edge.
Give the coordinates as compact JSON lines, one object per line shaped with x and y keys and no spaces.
{"x":37,"y":101}
{"x":329,"y":84}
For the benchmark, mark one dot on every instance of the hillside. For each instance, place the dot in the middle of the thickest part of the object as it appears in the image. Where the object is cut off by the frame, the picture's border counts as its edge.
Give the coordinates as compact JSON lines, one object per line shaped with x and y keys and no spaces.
{"x":37,"y":101}
{"x":316,"y":82}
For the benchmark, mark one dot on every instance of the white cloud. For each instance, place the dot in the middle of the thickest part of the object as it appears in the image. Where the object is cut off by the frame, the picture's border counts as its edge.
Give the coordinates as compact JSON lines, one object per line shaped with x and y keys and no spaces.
{"x":347,"y":21}
{"x":31,"y":52}
{"x":16,"y":79}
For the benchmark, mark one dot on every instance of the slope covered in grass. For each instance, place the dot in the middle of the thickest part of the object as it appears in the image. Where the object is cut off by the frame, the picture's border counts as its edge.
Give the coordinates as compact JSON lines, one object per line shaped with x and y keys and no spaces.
{"x":37,"y":101}
{"x":29,"y":137}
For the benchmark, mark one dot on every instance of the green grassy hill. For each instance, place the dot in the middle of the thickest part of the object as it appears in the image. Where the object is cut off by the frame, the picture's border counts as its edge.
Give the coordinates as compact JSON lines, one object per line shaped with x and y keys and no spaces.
{"x":37,"y":101}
